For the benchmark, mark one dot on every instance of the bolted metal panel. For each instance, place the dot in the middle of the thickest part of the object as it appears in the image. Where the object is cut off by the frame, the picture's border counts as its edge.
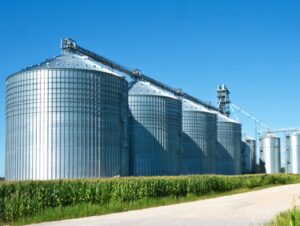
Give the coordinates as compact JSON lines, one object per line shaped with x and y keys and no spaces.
{"x":270,"y":154}
{"x":199,"y":139}
{"x":228,"y":146}
{"x":155,"y":131}
{"x":248,"y":155}
{"x":288,"y":154}
{"x":294,"y":153}
{"x":65,"y":122}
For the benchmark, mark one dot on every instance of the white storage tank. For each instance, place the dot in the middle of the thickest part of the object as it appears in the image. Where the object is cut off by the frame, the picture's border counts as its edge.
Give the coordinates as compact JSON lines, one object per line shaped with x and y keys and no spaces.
{"x":270,"y":154}
{"x":294,"y":151}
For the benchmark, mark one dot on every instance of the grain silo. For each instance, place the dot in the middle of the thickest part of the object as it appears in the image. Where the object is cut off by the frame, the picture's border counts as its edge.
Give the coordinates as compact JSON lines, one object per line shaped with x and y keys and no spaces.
{"x":199,"y":126}
{"x":155,"y":130}
{"x":294,"y":152}
{"x":228,"y":146}
{"x":270,"y":154}
{"x":288,"y":154}
{"x":248,"y":155}
{"x":66,"y":118}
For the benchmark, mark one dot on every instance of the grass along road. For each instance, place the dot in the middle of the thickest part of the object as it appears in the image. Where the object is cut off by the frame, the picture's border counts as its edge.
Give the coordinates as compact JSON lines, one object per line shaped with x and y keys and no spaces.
{"x":289,"y":218}
{"x":87,"y":210}
{"x":252,"y":208}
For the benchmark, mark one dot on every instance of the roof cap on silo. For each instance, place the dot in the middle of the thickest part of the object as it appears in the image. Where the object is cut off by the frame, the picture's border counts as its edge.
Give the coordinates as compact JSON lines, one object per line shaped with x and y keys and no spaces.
{"x":223,"y":118}
{"x":246,"y":137}
{"x":188,"y":105}
{"x":296,"y":133}
{"x":71,"y":60}
{"x":148,"y":89}
{"x":271,"y":135}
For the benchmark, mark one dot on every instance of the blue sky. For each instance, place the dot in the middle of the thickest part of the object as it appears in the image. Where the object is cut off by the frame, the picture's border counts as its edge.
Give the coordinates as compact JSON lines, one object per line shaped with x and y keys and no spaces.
{"x":252,"y":46}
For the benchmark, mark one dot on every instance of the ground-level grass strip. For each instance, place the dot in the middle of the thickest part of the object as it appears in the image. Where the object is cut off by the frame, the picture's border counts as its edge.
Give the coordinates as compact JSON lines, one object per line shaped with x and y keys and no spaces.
{"x":289,"y":218}
{"x":87,"y":210}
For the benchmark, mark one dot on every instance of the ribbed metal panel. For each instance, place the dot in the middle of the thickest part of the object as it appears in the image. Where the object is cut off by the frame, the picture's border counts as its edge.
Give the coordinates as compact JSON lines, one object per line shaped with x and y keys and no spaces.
{"x":295,"y":153}
{"x":155,"y":131}
{"x":65,"y":123}
{"x":199,"y":139}
{"x":248,"y":155}
{"x":228,"y":146}
{"x":270,"y":155}
{"x":288,"y":154}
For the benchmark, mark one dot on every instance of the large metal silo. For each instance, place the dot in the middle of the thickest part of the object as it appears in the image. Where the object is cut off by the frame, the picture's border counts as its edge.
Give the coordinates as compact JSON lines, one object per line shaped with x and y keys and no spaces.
{"x":66,"y":118}
{"x":155,"y":130}
{"x":270,"y":155}
{"x":199,"y":127}
{"x":248,"y":155}
{"x":294,"y":147}
{"x":228,"y":146}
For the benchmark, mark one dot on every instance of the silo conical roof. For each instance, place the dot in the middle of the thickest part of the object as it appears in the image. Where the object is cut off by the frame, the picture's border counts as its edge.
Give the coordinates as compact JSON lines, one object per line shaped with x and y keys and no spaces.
{"x":188,"y":105}
{"x":246,"y":137}
{"x":147,"y":88}
{"x":297,"y":133}
{"x":223,"y":118}
{"x":271,"y":135}
{"x":71,"y":60}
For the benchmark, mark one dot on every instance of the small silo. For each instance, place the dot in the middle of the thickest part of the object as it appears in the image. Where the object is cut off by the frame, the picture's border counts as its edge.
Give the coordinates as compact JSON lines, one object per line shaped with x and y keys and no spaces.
{"x":270,"y":155}
{"x":155,"y":127}
{"x":199,"y":139}
{"x":248,"y":155}
{"x":228,"y":146}
{"x":288,"y":154}
{"x":294,"y":153}
{"x":66,"y":118}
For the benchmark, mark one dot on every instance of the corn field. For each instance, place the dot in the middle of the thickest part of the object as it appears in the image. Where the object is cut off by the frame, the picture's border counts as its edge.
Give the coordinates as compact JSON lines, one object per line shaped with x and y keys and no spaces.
{"x":21,"y":199}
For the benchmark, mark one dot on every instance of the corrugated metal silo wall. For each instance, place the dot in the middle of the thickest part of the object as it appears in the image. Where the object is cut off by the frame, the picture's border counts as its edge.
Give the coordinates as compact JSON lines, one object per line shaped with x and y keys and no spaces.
{"x":199,"y":142}
{"x":245,"y":157}
{"x":295,"y":153}
{"x":271,"y":153}
{"x":155,"y":135}
{"x":228,"y":148}
{"x":65,"y":124}
{"x":262,"y":168}
{"x":248,"y":156}
{"x":288,"y":155}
